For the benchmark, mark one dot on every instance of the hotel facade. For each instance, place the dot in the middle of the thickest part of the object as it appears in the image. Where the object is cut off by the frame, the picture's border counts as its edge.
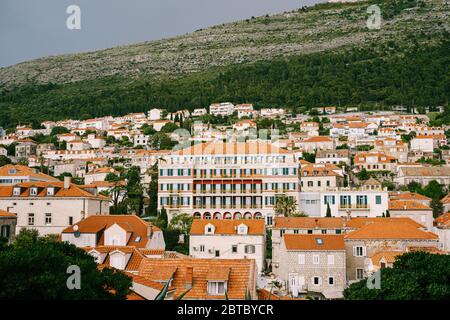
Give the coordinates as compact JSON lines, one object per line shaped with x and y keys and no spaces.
{"x":218,"y":180}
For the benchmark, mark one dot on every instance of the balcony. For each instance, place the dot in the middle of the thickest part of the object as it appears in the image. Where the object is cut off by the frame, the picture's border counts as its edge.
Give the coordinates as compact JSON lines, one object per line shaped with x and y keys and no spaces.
{"x":361,"y":206}
{"x":227,"y":206}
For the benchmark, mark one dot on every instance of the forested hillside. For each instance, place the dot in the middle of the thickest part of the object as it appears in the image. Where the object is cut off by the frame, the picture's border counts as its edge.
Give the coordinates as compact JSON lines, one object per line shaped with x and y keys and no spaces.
{"x":406,"y":62}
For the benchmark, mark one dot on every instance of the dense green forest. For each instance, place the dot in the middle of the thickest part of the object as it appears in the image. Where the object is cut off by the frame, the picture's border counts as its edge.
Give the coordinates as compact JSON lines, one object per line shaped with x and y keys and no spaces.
{"x":372,"y":76}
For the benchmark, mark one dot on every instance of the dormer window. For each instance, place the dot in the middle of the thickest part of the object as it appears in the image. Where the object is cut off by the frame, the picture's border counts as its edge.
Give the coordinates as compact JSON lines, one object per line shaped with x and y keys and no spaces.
{"x":242,"y":229}
{"x":33,"y":191}
{"x":12,"y":171}
{"x":16,"y":191}
{"x":216,"y":287}
{"x":209,"y":229}
{"x":50,"y":191}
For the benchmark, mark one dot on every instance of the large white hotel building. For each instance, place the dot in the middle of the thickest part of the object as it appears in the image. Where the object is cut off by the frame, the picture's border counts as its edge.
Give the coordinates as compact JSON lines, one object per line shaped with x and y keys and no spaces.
{"x":218,"y":180}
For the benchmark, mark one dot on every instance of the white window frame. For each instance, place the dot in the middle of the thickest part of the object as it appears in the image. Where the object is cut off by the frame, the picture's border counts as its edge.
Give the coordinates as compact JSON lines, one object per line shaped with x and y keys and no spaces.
{"x":31,"y":219}
{"x":359,"y":254}
{"x":330,"y":259}
{"x":48,"y":219}
{"x":316,"y":259}
{"x":301,"y":258}
{"x":215,"y":289}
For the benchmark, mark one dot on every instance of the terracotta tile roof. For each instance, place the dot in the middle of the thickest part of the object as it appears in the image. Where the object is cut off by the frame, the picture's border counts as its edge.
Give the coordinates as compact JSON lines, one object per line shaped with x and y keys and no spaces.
{"x":240,"y":279}
{"x":318,"y":139}
{"x":314,"y":170}
{"x":425,"y":249}
{"x":307,"y":223}
{"x":11,"y":170}
{"x":131,"y":223}
{"x":387,"y":256}
{"x":443,"y":171}
{"x":314,"y":242}
{"x":145,"y":282}
{"x":403,"y":205}
{"x":73,"y":191}
{"x":7,"y":214}
{"x":218,"y":274}
{"x":443,"y":220}
{"x":390,"y":230}
{"x":229,"y":227}
{"x":221,"y":148}
{"x":359,"y":222}
{"x":381,"y":158}
{"x":446,"y":199}
{"x":408,"y":196}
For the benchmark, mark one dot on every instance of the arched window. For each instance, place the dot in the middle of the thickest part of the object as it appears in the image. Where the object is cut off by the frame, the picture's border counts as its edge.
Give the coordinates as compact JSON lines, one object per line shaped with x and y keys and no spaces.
{"x":237,"y":216}
{"x":258,"y":215}
{"x":227,"y":216}
{"x":197,"y":215}
{"x":207,"y":216}
{"x":247,"y":215}
{"x":217,"y":215}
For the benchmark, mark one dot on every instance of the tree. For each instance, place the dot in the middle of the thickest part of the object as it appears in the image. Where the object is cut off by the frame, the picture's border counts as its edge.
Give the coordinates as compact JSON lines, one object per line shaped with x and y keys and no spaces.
{"x":59,"y":130}
{"x":162,"y":219}
{"x":437,"y":206}
{"x":414,"y":186}
{"x":363,"y":175}
{"x":285,"y":206}
{"x":433,"y":190}
{"x":152,"y":191}
{"x":169,"y":127}
{"x":135,"y":192}
{"x":4,"y":161}
{"x":37,"y":269}
{"x":310,"y":157}
{"x":181,"y":222}
{"x":414,"y":276}
{"x":328,"y":211}
{"x":388,"y":214}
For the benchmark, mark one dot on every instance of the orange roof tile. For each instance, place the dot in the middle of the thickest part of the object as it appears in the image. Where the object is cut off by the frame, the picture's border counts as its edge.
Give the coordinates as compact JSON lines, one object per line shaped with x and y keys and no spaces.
{"x":390,"y":230}
{"x":402,"y":205}
{"x":318,"y":139}
{"x":7,"y":214}
{"x":307,"y":223}
{"x":241,"y":277}
{"x":314,"y":242}
{"x":221,"y":148}
{"x":387,"y":256}
{"x":11,"y":170}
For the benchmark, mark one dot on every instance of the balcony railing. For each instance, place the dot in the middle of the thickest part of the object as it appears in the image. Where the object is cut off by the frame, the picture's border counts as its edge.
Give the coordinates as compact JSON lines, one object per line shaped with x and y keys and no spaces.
{"x":361,"y":206}
{"x":227,"y":206}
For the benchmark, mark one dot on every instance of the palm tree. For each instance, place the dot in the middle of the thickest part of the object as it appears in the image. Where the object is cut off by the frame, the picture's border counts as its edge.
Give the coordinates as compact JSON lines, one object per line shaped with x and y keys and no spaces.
{"x":286,"y":206}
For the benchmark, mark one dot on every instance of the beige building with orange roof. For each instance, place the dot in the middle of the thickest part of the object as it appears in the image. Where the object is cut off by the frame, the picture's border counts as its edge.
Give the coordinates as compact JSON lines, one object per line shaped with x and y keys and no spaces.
{"x":415,"y":210}
{"x":12,"y":174}
{"x":423,"y":175}
{"x":49,"y":207}
{"x":313,"y":144}
{"x":219,"y":180}
{"x":392,"y":235}
{"x":312,"y":265}
{"x":229,"y":239}
{"x":374,"y":161}
{"x":320,"y":177}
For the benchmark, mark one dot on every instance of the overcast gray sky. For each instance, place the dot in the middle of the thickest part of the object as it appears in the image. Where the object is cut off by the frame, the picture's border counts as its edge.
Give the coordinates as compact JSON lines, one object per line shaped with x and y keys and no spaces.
{"x":31,"y":29}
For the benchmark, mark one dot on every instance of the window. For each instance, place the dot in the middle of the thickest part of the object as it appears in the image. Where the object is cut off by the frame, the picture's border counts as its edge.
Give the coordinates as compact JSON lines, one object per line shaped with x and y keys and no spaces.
{"x":316,"y":281}
{"x":249,"y":248}
{"x":338,"y":231}
{"x":48,"y":219}
{"x":70,"y":220}
{"x":31,"y":219}
{"x":234,"y":249}
{"x":382,"y":265}
{"x":330,"y":259}
{"x":301,"y":259}
{"x":202,"y":248}
{"x":217,"y":253}
{"x":16,"y":191}
{"x":359,"y":251}
{"x":331,"y":281}
{"x":378,"y":199}
{"x":50,"y":191}
{"x":359,"y":273}
{"x":216,"y":287}
{"x":33,"y":191}
{"x":5,"y":232}
{"x":316,"y":259}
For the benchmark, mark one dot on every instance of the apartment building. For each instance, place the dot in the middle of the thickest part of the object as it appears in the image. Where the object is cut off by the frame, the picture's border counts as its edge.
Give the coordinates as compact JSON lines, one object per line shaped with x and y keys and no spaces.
{"x":423,"y":144}
{"x":414,"y":210}
{"x":229,"y":239}
{"x":320,"y":177}
{"x":12,"y":174}
{"x":392,"y":147}
{"x":374,"y":161}
{"x":333,"y":156}
{"x":423,"y":175}
{"x":392,"y":235}
{"x":369,"y":200}
{"x":313,"y":265}
{"x":50,"y":207}
{"x":221,"y":109}
{"x":219,"y":180}
{"x":313,"y":144}
{"x":26,"y":148}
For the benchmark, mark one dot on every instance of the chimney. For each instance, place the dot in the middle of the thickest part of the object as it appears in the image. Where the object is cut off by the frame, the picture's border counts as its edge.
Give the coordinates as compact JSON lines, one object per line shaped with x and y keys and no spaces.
{"x":67,"y":181}
{"x":189,"y":277}
{"x":349,"y":215}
